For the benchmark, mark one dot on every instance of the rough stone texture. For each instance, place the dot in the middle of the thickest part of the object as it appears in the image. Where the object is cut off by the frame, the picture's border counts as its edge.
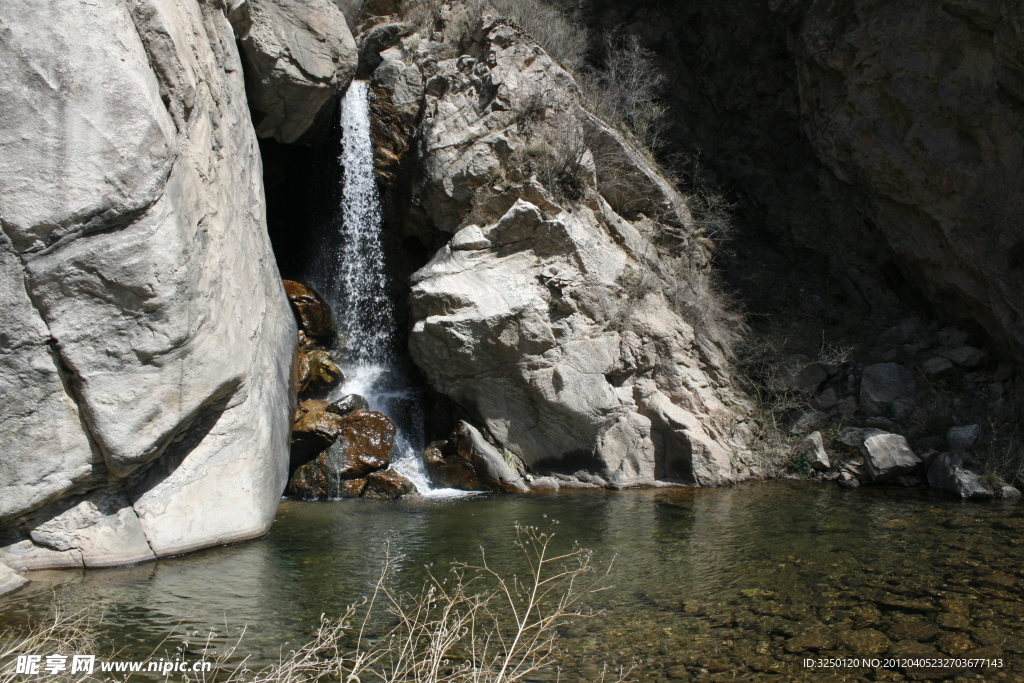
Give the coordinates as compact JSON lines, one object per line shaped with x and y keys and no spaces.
{"x":10,"y":580}
{"x":312,"y":313}
{"x":954,"y":473}
{"x":467,"y":461}
{"x":886,"y":387}
{"x":387,"y":484}
{"x":359,"y":443}
{"x":887,"y":456}
{"x":548,"y":319}
{"x":963,"y":437}
{"x":919,"y":108}
{"x":317,"y":373}
{"x":144,"y":323}
{"x":813,"y":448}
{"x":299,"y":54}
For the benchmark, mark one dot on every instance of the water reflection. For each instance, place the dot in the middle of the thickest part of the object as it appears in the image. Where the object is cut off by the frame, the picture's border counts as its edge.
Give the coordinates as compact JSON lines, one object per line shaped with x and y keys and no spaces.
{"x":743,"y":581}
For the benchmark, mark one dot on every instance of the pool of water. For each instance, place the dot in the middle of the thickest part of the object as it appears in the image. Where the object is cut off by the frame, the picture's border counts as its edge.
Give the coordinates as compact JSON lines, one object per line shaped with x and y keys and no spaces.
{"x":739,"y":583}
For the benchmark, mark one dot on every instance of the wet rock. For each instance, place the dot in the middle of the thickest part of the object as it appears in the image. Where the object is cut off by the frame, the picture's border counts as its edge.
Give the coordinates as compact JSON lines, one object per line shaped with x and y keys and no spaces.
{"x":887,"y":456}
{"x":962,"y":438}
{"x":865,"y":642}
{"x":966,"y":356}
{"x":317,"y":373}
{"x":468,"y":462}
{"x":955,"y":473}
{"x":1007,"y":492}
{"x":851,"y":476}
{"x":10,"y":580}
{"x":387,"y":484}
{"x":953,"y":622}
{"x":813,"y":448}
{"x":315,"y":429}
{"x":913,"y":628}
{"x":799,"y":373}
{"x":812,"y":642}
{"x":348,"y":404}
{"x":363,"y":444}
{"x":542,"y":484}
{"x":884,"y":385}
{"x":936,"y":366}
{"x":313,"y":314}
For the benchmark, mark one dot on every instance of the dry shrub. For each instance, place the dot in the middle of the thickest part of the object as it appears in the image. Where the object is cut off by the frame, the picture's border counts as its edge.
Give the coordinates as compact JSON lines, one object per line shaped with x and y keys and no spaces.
{"x":624,"y":90}
{"x":475,"y":625}
{"x":562,"y":38}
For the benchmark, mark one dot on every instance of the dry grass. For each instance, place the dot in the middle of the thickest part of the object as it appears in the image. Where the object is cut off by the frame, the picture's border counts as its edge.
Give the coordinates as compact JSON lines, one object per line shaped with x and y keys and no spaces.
{"x":474,"y":625}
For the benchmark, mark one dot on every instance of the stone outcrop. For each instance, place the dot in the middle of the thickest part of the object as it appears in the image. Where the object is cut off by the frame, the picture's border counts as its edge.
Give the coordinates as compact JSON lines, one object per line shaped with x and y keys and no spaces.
{"x":146,"y":340}
{"x":547,"y":316}
{"x":299,"y":54}
{"x":919,"y":109}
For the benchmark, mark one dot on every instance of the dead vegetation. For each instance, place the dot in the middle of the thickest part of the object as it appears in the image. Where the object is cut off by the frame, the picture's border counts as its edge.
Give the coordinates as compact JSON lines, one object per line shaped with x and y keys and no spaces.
{"x":477,"y":624}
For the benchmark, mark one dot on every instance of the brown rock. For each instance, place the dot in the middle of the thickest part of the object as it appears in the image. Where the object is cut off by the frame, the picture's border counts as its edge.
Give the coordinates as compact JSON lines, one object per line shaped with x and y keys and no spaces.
{"x":314,"y":429}
{"x":866,"y":642}
{"x":387,"y":484}
{"x":953,"y":621}
{"x":954,"y":644}
{"x":466,"y":461}
{"x":447,"y":469}
{"x":913,"y":629}
{"x":812,"y":641}
{"x":364,"y":445}
{"x":312,"y":313}
{"x":317,"y":372}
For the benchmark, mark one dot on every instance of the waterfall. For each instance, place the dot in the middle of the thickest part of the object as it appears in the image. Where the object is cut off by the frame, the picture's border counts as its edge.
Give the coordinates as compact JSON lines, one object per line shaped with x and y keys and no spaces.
{"x":353,"y":277}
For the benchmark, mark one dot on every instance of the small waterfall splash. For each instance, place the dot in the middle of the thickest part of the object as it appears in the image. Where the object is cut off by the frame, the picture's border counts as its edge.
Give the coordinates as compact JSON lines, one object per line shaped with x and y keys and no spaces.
{"x":353,"y":278}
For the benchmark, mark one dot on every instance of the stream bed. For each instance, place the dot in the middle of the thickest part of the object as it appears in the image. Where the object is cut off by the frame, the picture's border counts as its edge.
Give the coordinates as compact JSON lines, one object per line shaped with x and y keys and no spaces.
{"x":737,"y":583}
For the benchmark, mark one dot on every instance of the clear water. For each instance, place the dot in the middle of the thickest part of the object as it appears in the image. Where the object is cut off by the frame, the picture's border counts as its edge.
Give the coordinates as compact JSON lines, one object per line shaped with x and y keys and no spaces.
{"x":708,"y":584}
{"x":351,"y":273}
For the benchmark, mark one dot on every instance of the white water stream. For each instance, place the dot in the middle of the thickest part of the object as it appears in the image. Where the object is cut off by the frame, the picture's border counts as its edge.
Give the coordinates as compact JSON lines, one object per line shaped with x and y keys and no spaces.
{"x":355,"y":282}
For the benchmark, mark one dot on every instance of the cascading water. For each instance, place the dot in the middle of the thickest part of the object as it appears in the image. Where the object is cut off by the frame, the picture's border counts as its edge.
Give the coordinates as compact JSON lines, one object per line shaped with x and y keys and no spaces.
{"x":352,"y":276}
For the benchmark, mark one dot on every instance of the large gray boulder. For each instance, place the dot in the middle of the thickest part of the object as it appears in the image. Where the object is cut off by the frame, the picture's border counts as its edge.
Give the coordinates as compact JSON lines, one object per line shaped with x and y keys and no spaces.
{"x":299,"y":54}
{"x":887,"y":456}
{"x":547,"y":317}
{"x":147,"y":341}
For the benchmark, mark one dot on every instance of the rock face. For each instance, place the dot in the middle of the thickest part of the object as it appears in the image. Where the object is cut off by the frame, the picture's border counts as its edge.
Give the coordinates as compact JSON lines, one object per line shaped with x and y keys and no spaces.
{"x":887,"y":456}
{"x":919,"y":109}
{"x":547,"y":316}
{"x":146,"y":341}
{"x":299,"y":54}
